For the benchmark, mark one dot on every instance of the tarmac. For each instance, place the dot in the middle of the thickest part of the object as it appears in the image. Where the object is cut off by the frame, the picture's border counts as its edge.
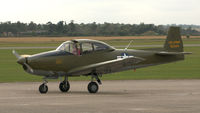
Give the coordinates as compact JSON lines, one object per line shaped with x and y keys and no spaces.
{"x":122,"y":96}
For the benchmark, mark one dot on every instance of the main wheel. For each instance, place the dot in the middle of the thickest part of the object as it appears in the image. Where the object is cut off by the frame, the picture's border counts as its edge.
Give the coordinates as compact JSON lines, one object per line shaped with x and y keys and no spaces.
{"x":93,"y":87}
{"x":64,"y":86}
{"x":43,"y":88}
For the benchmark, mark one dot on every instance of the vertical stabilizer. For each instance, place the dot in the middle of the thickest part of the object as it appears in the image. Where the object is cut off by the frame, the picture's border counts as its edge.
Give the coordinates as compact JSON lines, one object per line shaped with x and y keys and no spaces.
{"x":174,"y":42}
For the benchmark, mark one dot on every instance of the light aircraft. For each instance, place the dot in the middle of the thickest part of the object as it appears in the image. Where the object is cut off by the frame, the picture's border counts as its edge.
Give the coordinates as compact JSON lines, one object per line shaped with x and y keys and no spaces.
{"x":95,"y":58}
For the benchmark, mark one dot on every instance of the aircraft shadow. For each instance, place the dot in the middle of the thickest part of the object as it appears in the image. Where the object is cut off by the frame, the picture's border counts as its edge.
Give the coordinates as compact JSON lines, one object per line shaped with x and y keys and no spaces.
{"x":87,"y":93}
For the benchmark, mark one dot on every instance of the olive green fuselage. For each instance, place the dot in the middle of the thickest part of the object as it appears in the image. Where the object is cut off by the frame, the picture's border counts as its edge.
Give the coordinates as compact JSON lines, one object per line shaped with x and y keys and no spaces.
{"x":60,"y":61}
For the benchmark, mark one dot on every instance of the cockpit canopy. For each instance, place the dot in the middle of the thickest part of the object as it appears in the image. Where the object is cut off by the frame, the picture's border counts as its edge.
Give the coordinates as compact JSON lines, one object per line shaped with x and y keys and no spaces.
{"x":83,"y":46}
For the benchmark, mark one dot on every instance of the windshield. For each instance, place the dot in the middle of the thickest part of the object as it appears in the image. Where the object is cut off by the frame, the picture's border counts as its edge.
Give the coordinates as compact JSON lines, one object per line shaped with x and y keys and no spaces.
{"x":63,"y":46}
{"x":70,"y":47}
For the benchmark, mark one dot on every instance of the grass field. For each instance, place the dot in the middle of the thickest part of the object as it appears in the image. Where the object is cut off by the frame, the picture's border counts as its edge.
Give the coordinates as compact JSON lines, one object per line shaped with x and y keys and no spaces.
{"x":10,"y":71}
{"x":114,"y":42}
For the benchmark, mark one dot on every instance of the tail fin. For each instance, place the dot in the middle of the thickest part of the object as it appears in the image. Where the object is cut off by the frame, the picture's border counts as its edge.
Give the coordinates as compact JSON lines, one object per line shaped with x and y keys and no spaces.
{"x":174,"y":42}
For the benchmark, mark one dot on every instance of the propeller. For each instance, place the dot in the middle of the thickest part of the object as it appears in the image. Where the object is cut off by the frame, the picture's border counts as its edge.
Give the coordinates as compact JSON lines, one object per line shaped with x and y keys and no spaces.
{"x":23,"y":61}
{"x":16,"y":54}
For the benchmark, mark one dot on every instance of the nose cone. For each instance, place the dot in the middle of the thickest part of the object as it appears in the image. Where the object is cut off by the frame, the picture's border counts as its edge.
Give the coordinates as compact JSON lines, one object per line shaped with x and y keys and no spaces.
{"x":21,"y":60}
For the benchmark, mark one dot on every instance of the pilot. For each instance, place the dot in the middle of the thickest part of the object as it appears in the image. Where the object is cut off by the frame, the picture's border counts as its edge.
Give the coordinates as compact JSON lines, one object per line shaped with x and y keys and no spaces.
{"x":76,"y":49}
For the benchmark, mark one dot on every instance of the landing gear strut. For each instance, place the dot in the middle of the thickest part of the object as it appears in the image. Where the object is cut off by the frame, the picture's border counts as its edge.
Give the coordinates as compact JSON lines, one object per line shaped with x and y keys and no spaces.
{"x":64,"y":85}
{"x":43,"y":87}
{"x":93,"y":86}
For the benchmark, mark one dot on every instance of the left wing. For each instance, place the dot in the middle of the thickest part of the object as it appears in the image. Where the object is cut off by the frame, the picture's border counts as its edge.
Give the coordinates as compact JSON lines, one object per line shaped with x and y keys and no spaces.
{"x":107,"y":66}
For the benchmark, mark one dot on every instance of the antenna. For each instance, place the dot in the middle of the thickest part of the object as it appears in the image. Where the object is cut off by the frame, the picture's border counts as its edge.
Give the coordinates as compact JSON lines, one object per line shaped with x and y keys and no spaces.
{"x":128,"y":45}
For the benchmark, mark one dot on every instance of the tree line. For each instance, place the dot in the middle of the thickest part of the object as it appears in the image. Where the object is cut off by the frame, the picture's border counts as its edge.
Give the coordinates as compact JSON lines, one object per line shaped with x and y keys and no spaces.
{"x":20,"y":29}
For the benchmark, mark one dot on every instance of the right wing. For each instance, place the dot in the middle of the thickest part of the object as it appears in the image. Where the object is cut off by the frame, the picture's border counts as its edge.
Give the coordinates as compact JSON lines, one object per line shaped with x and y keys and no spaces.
{"x":106,"y":67}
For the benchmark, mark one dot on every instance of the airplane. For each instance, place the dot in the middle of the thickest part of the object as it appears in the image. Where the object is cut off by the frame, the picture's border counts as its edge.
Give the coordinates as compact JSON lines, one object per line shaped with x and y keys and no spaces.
{"x":94,"y":58}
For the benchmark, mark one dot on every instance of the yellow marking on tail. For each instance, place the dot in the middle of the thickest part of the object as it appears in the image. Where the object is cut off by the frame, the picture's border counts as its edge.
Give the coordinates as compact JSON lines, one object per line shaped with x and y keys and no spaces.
{"x":174,"y":44}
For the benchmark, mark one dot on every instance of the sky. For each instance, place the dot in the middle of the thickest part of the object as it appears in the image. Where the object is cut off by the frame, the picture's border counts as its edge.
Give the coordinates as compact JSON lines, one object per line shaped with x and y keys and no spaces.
{"x":100,"y":11}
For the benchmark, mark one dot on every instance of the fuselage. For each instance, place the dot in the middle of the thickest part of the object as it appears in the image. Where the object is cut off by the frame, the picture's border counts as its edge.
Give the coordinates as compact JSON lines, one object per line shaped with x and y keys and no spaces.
{"x":82,"y":53}
{"x":61,"y":61}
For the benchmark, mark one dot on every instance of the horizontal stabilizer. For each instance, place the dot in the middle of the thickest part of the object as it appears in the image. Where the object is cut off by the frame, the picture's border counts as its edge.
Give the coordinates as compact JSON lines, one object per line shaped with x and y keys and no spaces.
{"x":173,"y":53}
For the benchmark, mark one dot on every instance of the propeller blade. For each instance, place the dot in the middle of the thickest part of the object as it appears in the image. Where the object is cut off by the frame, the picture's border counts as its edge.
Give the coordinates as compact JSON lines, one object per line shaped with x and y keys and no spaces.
{"x":29,"y":67}
{"x":21,"y":60}
{"x":16,"y":54}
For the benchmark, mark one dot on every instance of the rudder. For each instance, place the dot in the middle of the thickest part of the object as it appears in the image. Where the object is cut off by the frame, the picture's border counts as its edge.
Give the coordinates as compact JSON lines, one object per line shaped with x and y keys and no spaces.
{"x":174,"y":42}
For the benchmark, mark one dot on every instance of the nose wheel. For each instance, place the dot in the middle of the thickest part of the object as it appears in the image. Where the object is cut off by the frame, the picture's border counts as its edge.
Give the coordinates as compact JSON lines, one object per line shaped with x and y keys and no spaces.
{"x":43,"y":88}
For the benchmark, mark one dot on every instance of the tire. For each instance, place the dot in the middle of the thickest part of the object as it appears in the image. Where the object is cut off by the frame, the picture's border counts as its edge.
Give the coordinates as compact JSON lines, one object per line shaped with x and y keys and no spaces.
{"x":93,"y":87}
{"x":64,"y":86}
{"x":43,"y":89}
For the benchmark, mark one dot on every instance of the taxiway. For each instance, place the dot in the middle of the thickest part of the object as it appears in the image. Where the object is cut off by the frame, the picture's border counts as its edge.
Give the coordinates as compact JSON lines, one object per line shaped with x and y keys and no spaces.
{"x":126,"y":96}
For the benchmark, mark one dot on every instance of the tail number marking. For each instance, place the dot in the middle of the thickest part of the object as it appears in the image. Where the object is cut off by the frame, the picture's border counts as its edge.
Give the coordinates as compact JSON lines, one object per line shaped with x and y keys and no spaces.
{"x":174,"y":44}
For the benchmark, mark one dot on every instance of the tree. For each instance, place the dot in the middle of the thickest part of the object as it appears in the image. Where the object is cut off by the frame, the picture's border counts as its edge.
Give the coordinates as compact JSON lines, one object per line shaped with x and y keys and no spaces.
{"x":90,"y":29}
{"x":71,"y":28}
{"x":32,"y":26}
{"x":60,"y":27}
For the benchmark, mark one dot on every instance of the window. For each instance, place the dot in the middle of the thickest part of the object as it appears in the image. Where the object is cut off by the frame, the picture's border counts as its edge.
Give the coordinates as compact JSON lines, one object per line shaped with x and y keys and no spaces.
{"x":66,"y":47}
{"x":99,"y":46}
{"x":70,"y":47}
{"x":87,"y":48}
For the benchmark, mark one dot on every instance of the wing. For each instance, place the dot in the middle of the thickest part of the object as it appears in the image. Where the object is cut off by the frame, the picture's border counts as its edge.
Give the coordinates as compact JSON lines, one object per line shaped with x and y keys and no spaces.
{"x":107,"y":66}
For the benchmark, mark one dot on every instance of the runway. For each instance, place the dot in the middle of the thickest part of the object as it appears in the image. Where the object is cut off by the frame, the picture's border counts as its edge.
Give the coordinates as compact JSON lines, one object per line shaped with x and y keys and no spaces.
{"x":126,"y":96}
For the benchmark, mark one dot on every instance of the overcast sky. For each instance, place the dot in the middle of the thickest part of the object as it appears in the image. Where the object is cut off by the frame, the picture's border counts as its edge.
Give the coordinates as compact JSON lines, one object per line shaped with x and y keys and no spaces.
{"x":115,"y":11}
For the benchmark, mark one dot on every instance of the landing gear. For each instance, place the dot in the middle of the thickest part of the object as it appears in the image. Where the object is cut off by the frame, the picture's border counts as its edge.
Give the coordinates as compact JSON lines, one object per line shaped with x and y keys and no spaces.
{"x":93,"y":86}
{"x":43,"y":88}
{"x":64,"y":85}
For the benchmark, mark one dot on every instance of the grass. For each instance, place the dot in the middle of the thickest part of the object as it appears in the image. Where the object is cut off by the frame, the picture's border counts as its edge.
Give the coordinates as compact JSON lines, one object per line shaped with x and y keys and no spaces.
{"x":148,"y":41}
{"x":115,"y":42}
{"x":10,"y":71}
{"x":11,"y":44}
